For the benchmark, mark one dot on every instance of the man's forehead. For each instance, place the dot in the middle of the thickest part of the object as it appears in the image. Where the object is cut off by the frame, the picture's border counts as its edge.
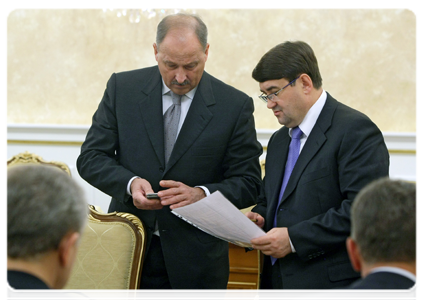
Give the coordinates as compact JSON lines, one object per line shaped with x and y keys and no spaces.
{"x":183,"y":62}
{"x":270,"y":85}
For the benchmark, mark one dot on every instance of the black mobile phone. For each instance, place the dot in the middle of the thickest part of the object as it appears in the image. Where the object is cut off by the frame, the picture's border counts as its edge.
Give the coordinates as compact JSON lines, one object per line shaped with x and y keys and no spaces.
{"x":153,"y":196}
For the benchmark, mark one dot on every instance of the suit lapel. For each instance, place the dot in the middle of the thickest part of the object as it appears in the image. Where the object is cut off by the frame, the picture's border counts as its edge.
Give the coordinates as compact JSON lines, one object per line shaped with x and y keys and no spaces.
{"x":314,"y":142}
{"x":274,"y":171}
{"x":151,"y":109}
{"x":196,"y":120}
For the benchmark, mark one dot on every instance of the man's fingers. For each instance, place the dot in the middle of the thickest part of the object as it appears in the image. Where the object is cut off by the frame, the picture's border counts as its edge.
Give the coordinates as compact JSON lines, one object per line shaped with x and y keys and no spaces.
{"x":169,"y":183}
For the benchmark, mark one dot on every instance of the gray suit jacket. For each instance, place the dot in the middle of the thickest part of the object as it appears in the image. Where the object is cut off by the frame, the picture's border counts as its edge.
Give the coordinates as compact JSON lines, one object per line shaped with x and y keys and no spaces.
{"x":344,"y":152}
{"x":217,"y":148}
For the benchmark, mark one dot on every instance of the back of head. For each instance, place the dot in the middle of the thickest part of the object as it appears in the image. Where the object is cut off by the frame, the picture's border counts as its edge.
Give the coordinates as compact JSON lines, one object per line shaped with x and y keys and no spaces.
{"x":182,"y":20}
{"x":43,"y":205}
{"x":288,"y":60}
{"x":383,"y":218}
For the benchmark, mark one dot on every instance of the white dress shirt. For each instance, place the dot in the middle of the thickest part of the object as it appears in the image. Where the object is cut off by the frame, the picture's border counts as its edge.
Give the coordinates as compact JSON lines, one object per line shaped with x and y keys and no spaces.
{"x":186,"y":101}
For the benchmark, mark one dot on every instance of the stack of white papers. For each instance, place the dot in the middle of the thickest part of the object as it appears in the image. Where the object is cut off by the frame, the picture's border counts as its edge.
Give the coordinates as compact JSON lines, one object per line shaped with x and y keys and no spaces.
{"x":217,"y":216}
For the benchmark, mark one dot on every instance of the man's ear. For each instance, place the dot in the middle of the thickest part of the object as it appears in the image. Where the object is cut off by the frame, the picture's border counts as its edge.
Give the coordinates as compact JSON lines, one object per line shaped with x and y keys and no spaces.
{"x":354,"y":254}
{"x":307,"y":83}
{"x":207,"y":51}
{"x":156,"y":51}
{"x":67,"y":249}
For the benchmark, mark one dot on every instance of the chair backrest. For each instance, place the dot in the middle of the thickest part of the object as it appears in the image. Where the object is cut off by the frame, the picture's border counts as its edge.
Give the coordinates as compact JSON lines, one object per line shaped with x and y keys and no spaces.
{"x":110,"y":253}
{"x":30,"y":158}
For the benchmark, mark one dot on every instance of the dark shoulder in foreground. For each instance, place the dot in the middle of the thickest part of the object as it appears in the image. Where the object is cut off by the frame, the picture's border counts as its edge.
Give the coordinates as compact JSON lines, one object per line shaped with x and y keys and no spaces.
{"x":24,"y":286}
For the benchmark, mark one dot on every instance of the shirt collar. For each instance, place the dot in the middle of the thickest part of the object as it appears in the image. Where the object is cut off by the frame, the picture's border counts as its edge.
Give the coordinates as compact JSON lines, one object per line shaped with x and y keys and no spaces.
{"x":166,"y":90}
{"x":312,"y":115}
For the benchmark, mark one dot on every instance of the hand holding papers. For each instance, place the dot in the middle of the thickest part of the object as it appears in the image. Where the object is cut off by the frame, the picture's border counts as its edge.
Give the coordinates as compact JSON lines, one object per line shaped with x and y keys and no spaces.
{"x":217,"y":216}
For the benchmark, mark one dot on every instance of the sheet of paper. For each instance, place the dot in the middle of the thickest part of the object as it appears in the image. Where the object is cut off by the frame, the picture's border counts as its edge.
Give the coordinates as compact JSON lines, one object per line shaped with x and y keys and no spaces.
{"x":217,"y":216}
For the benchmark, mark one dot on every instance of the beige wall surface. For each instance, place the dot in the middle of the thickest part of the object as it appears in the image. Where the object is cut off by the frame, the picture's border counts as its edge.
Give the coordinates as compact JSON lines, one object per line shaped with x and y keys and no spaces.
{"x":58,"y":61}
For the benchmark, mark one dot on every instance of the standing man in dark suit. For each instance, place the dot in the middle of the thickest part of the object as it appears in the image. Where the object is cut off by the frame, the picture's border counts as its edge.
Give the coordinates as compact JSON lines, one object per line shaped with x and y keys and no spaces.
{"x":382,"y":245}
{"x":126,"y":154}
{"x":315,"y":165}
{"x":46,"y":214}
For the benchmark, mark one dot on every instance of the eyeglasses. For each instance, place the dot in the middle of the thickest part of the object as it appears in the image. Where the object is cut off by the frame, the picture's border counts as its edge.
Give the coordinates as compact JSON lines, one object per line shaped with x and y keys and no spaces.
{"x":266,"y":98}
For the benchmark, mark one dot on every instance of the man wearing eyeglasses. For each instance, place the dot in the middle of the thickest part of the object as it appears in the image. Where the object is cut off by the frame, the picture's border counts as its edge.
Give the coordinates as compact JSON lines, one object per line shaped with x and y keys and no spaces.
{"x":315,"y":166}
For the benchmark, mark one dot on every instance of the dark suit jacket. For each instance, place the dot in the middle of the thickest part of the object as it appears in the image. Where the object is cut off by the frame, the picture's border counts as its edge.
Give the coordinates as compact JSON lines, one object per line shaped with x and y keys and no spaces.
{"x":375,"y":286}
{"x":343,"y":153}
{"x":217,"y":147}
{"x":23,"y":286}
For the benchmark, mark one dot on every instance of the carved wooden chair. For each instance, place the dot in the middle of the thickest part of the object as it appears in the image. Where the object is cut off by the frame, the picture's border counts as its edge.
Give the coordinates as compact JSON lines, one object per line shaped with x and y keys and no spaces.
{"x":111,"y":252}
{"x":30,"y":158}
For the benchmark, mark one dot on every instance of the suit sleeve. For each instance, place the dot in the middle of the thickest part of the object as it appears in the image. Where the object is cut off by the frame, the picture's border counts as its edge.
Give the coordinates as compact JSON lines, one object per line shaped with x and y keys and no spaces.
{"x":361,"y":158}
{"x":262,"y":207}
{"x":242,"y":173}
{"x":98,"y":161}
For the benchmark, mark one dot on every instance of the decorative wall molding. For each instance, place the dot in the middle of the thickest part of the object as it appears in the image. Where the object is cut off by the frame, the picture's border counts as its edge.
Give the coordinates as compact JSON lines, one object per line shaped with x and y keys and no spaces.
{"x":46,"y":133}
{"x":63,"y":143}
{"x":395,"y":141}
{"x":75,"y":134}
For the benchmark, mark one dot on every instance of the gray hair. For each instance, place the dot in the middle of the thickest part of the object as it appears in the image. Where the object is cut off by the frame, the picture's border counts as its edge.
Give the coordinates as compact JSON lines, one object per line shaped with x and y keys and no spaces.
{"x":182,"y":20}
{"x":383,"y":219}
{"x":43,"y":205}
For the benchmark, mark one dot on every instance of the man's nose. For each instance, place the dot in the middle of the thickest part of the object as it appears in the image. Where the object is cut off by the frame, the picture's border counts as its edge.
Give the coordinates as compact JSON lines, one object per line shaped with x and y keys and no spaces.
{"x":180,"y":76}
{"x":270,"y":104}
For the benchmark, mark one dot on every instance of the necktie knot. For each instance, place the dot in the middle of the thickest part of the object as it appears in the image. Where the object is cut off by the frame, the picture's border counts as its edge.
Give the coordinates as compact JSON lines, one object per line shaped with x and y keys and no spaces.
{"x":296,"y":133}
{"x":176,"y":99}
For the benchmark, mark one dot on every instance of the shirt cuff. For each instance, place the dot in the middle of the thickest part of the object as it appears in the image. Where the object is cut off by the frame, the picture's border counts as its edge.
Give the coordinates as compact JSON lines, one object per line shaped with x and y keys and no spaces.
{"x":128,"y":187}
{"x":292,"y":246}
{"x":206,"y":190}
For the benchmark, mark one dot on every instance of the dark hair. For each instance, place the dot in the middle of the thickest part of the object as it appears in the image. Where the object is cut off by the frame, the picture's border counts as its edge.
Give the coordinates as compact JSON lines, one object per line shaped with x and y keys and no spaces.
{"x":182,"y":20}
{"x":288,"y":60}
{"x":383,"y":221}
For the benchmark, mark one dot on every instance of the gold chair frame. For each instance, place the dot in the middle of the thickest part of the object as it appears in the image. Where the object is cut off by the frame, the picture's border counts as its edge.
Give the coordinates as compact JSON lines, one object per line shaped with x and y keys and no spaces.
{"x":30,"y":158}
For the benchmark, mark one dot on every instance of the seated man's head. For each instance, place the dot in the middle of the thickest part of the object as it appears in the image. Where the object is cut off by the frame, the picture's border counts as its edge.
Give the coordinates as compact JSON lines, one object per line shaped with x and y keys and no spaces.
{"x":46,"y":213}
{"x":383,"y":226}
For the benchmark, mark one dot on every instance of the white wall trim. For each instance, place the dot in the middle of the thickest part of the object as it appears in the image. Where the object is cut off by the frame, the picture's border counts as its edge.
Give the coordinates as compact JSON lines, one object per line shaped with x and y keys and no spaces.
{"x":395,"y":141}
{"x":47,"y":132}
{"x":400,"y":141}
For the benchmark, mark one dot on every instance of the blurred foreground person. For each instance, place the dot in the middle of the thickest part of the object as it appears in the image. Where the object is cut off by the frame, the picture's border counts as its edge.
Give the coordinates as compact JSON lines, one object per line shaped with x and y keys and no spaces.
{"x":46,"y":213}
{"x":382,"y":245}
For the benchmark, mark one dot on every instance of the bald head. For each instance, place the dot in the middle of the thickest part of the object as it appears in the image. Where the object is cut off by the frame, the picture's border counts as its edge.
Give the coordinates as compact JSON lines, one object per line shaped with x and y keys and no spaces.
{"x":182,"y":21}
